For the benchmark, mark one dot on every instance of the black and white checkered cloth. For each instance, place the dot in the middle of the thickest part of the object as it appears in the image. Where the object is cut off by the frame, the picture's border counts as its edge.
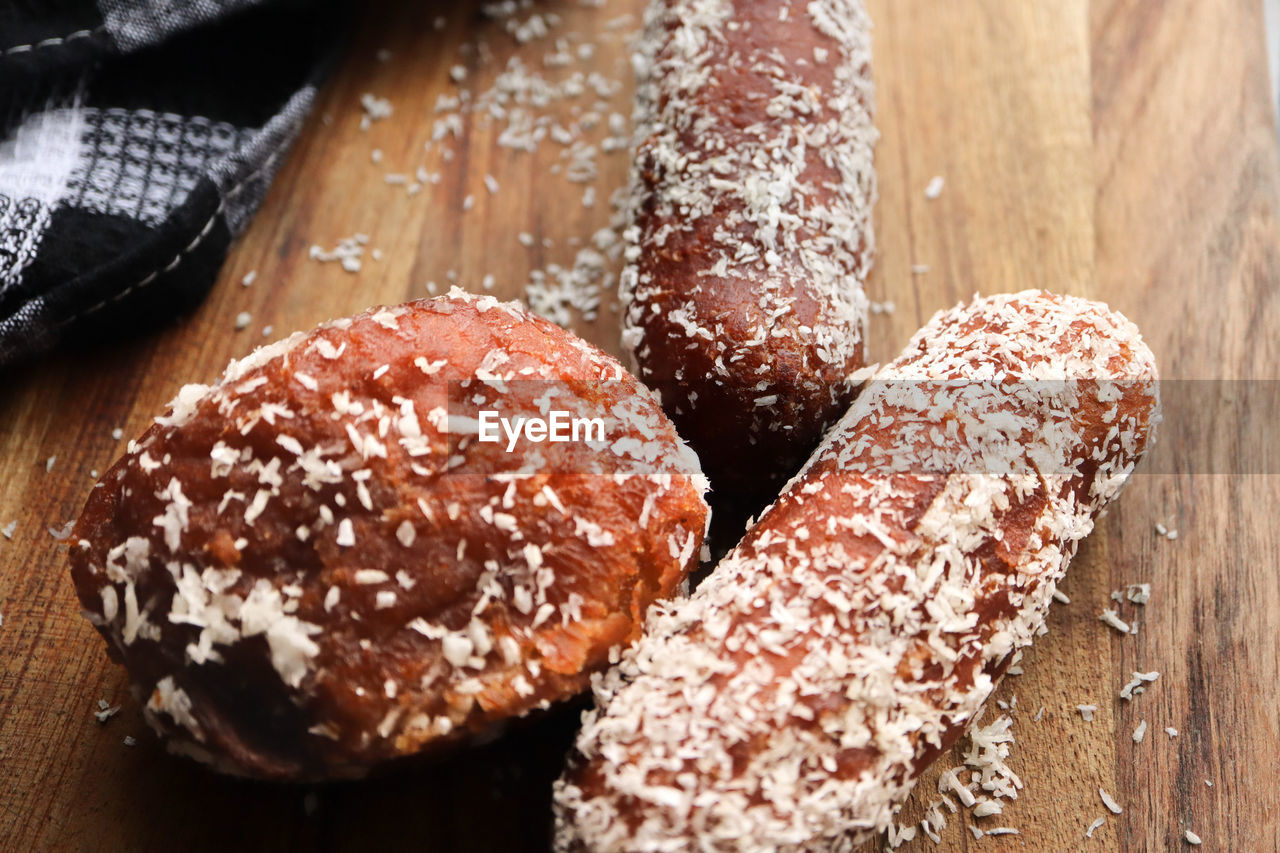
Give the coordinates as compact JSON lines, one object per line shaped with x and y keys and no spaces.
{"x":137,"y":137}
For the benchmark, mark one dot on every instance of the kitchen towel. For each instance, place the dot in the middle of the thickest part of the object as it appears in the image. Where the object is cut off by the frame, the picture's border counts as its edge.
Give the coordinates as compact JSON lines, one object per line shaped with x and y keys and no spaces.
{"x":137,"y":137}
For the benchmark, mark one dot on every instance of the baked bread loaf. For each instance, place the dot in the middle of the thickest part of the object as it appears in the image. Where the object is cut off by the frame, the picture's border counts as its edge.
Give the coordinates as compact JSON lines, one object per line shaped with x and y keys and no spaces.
{"x":792,"y":700}
{"x":316,"y":565}
{"x":750,"y":226}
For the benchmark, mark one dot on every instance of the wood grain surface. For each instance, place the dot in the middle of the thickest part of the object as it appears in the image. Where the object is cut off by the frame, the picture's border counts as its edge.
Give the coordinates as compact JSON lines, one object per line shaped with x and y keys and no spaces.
{"x":1120,"y":149}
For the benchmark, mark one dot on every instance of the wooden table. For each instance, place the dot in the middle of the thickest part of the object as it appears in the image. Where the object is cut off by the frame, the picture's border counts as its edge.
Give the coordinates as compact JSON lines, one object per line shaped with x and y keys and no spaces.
{"x":1121,"y":149}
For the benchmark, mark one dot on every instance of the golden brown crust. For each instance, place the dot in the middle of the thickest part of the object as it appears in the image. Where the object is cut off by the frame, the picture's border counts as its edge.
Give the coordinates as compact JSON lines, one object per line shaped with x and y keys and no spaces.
{"x":314,"y":565}
{"x":751,"y":232}
{"x":854,"y":633}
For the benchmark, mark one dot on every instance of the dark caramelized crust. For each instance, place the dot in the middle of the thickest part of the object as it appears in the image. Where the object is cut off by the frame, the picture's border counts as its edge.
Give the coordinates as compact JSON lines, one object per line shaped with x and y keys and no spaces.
{"x":315,"y":565}
{"x":854,"y":633}
{"x":751,"y":226}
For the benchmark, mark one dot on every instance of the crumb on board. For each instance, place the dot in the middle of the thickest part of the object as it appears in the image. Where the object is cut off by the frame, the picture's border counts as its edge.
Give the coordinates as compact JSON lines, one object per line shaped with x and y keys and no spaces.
{"x":1135,"y":685}
{"x":1140,"y":732}
{"x":1138,"y":593}
{"x":348,"y":252}
{"x":375,"y":109}
{"x":1111,"y":619}
{"x":105,"y":711}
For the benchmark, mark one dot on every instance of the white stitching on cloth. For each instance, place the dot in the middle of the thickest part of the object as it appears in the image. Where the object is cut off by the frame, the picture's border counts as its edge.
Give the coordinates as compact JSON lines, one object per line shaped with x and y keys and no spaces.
{"x":177,"y":259}
{"x":53,"y":42}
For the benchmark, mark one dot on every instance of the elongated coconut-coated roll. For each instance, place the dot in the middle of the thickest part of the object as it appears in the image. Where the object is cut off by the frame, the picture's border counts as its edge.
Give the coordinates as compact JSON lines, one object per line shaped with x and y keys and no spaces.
{"x":857,"y":629}
{"x":750,"y":233}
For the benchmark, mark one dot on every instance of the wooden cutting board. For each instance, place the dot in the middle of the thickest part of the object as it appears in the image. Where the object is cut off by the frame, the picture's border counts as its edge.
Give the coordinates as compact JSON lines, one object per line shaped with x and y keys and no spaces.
{"x":1120,"y":149}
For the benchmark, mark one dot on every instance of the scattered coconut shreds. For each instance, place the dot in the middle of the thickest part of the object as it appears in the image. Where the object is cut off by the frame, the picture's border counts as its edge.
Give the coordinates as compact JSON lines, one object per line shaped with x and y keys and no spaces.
{"x":1140,"y":732}
{"x":1060,"y":597}
{"x":1208,"y":783}
{"x":1192,"y":838}
{"x":105,"y":711}
{"x":977,"y":833}
{"x":1166,"y":532}
{"x":267,"y":330}
{"x":1109,"y":618}
{"x":61,"y":533}
{"x":934,"y":813}
{"x":899,"y":835}
{"x":375,"y":109}
{"x":1039,"y":715}
{"x":243,"y":319}
{"x":919,"y":269}
{"x":1086,"y":711}
{"x":49,"y":463}
{"x":117,"y":433}
{"x":349,"y":251}
{"x":553,"y":290}
{"x":130,"y":740}
{"x":1138,"y":593}
{"x":934,"y":189}
{"x":989,"y":747}
{"x":1088,"y":833}
{"x":1003,"y":830}
{"x":987,"y":808}
{"x":1171,"y":732}
{"x":580,"y":111}
{"x":249,"y":278}
{"x":1134,"y":687}
{"x":886,"y":307}
{"x":1109,"y":802}
{"x":949,"y":784}
{"x":8,"y":529}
